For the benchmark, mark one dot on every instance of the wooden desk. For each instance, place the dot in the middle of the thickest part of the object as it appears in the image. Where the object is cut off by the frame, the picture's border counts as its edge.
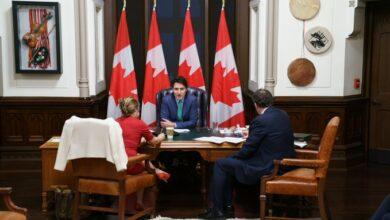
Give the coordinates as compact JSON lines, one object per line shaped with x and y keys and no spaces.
{"x":51,"y":177}
{"x":208,"y":151}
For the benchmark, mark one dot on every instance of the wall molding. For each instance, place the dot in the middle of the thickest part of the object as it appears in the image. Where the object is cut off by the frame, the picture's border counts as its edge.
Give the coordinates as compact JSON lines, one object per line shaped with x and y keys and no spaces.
{"x":262,"y":48}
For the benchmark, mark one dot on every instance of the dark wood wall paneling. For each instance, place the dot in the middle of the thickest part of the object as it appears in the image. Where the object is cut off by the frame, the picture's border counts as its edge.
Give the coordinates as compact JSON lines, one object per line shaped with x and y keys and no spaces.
{"x":31,"y":121}
{"x":26,"y":123}
{"x":310,"y":115}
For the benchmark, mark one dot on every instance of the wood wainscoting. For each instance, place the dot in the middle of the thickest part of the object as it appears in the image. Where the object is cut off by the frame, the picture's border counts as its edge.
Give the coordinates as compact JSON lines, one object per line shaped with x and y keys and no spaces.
{"x":27,"y":122}
{"x":311,"y":114}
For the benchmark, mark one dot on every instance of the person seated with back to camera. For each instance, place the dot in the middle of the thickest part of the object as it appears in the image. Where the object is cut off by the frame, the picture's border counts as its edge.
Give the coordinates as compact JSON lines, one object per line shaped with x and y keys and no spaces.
{"x":133,"y":129}
{"x":270,"y":138}
{"x":383,"y":211}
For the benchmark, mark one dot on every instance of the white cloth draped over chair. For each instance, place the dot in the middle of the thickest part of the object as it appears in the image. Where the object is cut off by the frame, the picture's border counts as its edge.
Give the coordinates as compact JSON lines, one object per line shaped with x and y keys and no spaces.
{"x":91,"y":138}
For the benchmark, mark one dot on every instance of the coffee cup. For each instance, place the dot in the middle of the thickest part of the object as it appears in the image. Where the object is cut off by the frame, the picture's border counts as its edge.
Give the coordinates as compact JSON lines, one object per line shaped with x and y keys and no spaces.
{"x":170,"y":132}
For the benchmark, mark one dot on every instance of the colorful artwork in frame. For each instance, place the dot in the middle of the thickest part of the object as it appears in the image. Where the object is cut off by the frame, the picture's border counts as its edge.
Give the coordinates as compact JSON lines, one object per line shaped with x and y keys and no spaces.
{"x":36,"y":37}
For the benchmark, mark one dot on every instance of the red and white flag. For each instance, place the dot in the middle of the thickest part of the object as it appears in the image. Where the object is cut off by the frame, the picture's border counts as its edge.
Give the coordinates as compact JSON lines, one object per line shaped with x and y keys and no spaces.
{"x":226,"y":105}
{"x":123,"y":79}
{"x":189,"y":64}
{"x":156,"y":75}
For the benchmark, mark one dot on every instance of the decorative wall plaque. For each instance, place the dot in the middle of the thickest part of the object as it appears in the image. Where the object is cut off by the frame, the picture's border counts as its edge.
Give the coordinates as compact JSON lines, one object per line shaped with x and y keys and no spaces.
{"x":318,"y":40}
{"x":301,"y":72}
{"x":304,"y":9}
{"x":36,"y":37}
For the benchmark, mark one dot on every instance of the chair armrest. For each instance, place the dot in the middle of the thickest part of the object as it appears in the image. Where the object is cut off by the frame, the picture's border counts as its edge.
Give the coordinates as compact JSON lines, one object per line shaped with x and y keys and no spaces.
{"x":5,"y":192}
{"x":306,"y":154}
{"x":269,"y":177}
{"x":303,"y":163}
{"x":136,"y":159}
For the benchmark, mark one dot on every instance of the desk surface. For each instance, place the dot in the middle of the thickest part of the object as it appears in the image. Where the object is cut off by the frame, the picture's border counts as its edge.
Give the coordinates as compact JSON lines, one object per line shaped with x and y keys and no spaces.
{"x":183,"y":141}
{"x":186,"y":141}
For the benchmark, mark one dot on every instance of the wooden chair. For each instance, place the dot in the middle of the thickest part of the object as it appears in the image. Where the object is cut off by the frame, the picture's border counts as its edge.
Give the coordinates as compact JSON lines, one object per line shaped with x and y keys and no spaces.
{"x":98,"y":176}
{"x":309,"y":180}
{"x":15,"y":212}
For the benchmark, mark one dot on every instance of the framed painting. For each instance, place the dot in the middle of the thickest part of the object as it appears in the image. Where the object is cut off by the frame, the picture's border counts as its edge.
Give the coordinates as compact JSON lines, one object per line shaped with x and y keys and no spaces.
{"x":36,"y":37}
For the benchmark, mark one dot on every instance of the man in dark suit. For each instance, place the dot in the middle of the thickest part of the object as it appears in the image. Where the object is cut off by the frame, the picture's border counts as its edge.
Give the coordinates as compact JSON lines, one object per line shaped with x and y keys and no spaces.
{"x":270,"y":137}
{"x":179,"y":110}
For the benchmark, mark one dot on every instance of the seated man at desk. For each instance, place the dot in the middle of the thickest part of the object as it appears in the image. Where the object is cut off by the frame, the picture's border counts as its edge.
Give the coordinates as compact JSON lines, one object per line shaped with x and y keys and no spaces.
{"x":179,"y":110}
{"x":270,"y":137}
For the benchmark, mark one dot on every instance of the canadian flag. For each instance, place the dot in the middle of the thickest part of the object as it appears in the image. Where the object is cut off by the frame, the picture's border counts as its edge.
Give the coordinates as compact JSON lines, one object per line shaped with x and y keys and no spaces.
{"x":189,"y":64}
{"x":156,"y":75}
{"x":123,"y":79}
{"x":226,"y":105}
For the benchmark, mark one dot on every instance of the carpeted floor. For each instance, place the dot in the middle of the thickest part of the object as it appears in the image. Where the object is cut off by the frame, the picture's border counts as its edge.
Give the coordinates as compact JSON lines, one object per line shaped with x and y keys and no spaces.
{"x":167,"y":218}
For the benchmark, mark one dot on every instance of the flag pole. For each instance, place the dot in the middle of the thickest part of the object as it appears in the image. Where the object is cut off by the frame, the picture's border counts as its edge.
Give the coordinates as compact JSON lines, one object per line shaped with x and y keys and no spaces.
{"x":154,"y":5}
{"x":188,"y":4}
{"x":124,"y":5}
{"x":223,"y":4}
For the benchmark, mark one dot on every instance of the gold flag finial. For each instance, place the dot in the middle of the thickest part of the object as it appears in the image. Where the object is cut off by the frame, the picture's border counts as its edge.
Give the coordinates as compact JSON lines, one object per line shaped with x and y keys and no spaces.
{"x":124,"y":5}
{"x":154,"y":5}
{"x":188,"y":4}
{"x":223,"y":4}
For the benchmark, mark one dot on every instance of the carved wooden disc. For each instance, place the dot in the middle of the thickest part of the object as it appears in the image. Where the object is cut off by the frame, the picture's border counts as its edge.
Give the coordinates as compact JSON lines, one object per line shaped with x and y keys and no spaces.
{"x":301,"y":72}
{"x":318,"y":40}
{"x":304,"y":9}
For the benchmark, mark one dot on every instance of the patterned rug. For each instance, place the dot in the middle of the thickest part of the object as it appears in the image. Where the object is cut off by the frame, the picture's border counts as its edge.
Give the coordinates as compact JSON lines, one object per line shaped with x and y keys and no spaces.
{"x":167,"y":218}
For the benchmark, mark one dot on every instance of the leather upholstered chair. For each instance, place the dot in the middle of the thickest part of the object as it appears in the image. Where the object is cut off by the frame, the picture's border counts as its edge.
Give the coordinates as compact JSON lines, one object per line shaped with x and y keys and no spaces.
{"x":15,"y":212}
{"x":98,"y":176}
{"x":201,"y":97}
{"x":308,"y":179}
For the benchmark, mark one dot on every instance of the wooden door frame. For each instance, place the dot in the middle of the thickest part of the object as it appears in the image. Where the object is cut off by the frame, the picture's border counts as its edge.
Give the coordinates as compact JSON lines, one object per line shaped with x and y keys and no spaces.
{"x":372,"y":155}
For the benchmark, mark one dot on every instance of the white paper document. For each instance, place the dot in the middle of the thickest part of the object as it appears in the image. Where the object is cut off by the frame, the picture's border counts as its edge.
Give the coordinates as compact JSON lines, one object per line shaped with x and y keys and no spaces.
{"x":300,"y":144}
{"x":220,"y":140}
{"x":181,"y":131}
{"x":55,"y":139}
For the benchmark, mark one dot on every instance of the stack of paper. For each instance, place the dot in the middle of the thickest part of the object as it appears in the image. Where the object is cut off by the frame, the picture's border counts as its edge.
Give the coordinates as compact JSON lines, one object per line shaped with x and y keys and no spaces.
{"x":220,"y":140}
{"x":180,"y":131}
{"x":300,"y":144}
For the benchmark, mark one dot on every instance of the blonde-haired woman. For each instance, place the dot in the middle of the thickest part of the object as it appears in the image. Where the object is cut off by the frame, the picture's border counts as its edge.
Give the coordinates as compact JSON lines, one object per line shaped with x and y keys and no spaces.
{"x":133,"y":129}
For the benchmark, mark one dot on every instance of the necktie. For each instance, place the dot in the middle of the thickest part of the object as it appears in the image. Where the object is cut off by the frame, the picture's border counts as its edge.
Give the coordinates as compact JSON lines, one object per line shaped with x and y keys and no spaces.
{"x":180,"y":110}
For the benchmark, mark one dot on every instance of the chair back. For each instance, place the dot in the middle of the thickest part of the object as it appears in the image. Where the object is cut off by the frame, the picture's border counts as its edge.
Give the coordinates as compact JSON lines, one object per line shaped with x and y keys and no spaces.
{"x":326,"y":145}
{"x":92,"y":138}
{"x":201,"y":97}
{"x":96,"y":168}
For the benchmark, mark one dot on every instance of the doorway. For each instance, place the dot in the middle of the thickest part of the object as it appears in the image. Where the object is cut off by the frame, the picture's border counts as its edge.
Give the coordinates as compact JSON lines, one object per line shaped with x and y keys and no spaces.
{"x":378,"y":70}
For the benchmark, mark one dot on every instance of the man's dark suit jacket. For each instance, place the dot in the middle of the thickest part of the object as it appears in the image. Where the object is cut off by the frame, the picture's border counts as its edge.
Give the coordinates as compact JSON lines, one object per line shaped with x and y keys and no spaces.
{"x":190,"y":110}
{"x":270,"y":137}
